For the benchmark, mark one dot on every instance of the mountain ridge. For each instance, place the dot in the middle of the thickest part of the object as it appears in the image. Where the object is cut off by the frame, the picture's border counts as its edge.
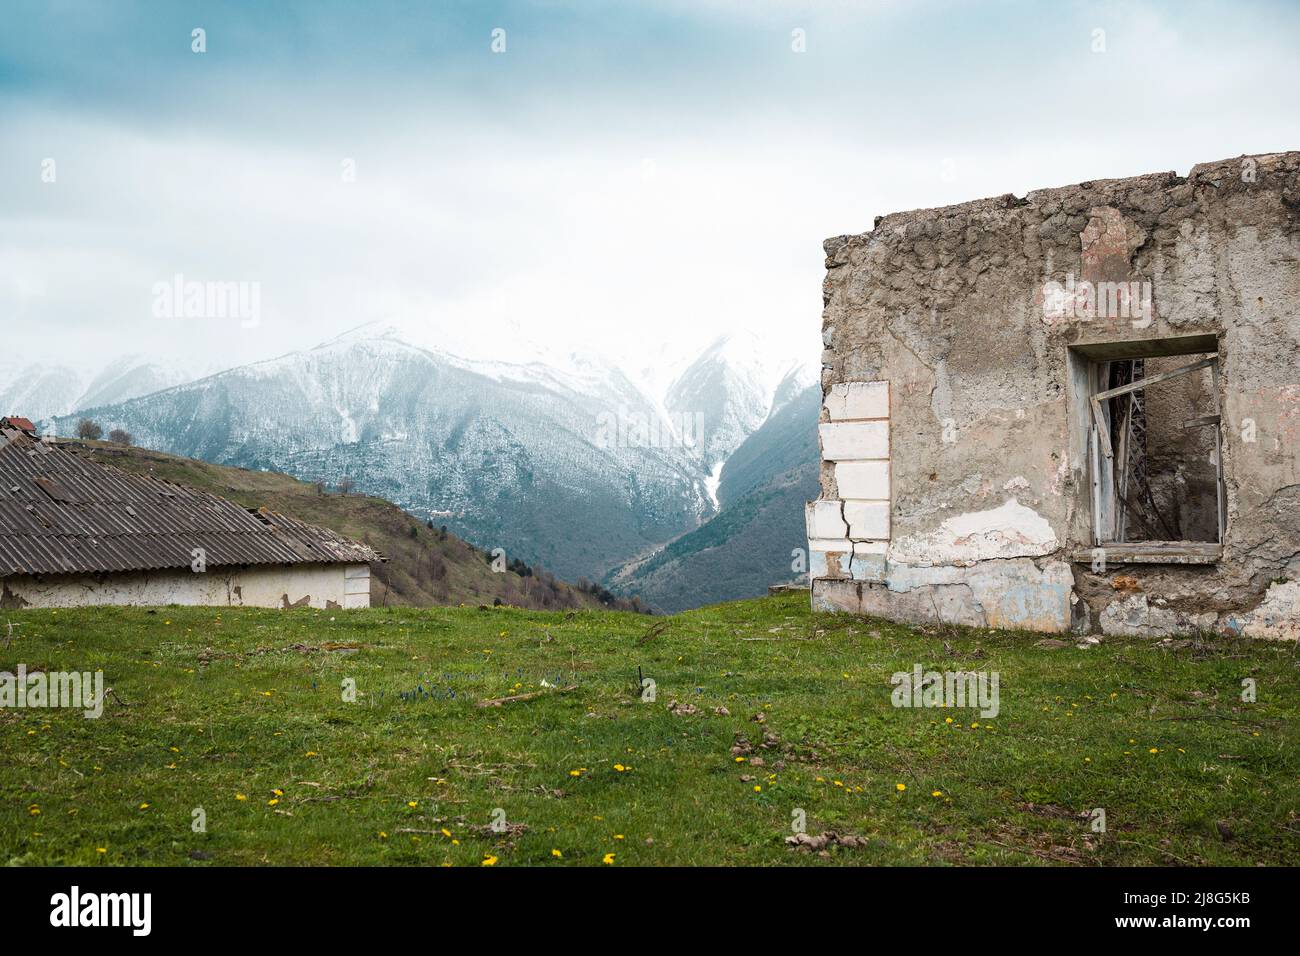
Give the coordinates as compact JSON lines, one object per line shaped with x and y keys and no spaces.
{"x":575,"y":468}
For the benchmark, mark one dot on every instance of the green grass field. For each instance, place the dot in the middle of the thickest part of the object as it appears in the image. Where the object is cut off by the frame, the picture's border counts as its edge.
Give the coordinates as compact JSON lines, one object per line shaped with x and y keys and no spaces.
{"x":241,"y":713}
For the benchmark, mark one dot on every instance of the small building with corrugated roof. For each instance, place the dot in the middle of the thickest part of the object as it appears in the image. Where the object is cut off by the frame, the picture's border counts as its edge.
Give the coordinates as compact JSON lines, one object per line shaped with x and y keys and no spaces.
{"x":76,"y":532}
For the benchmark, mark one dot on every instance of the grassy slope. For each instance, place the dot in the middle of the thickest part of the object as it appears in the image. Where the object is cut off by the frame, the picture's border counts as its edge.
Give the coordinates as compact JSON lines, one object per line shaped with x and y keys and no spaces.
{"x":424,"y":567}
{"x":214,"y":704}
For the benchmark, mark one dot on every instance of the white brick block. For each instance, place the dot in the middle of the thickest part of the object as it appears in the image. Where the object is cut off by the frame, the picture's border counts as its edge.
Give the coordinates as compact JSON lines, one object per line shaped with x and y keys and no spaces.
{"x":867,"y":519}
{"x":830,"y":544}
{"x":856,"y":400}
{"x":825,"y":519}
{"x":868,"y":561}
{"x":854,"y":441}
{"x":829,"y":559}
{"x":863,"y":479}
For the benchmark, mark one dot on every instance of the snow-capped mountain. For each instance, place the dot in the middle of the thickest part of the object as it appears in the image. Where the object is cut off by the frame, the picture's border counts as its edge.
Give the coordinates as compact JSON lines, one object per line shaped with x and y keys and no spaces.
{"x":129,"y":377}
{"x":41,"y":391}
{"x":733,"y":387}
{"x":36,"y":391}
{"x":565,"y":462}
{"x":509,"y":456}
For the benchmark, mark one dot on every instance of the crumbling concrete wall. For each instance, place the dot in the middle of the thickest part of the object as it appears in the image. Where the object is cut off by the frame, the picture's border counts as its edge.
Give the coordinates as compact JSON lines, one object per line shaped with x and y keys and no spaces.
{"x":298,"y":585}
{"x":968,"y":323}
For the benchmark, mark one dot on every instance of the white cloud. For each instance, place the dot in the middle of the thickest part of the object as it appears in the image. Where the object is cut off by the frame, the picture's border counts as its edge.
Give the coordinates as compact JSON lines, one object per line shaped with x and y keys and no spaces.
{"x":646,"y":208}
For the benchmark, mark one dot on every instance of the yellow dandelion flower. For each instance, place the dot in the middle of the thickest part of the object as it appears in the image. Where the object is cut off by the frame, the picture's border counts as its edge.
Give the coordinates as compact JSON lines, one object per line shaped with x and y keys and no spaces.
{"x":445,"y":832}
{"x":412,"y":803}
{"x":101,"y":849}
{"x":608,"y":858}
{"x":556,"y":853}
{"x":489,"y":861}
{"x":620,"y":768}
{"x":757,"y":788}
{"x":383,"y":835}
{"x":936,"y":793}
{"x":272,"y":802}
{"x":240,"y":796}
{"x":144,"y":806}
{"x":740,"y":760}
{"x":900,"y":787}
{"x":947,"y":720}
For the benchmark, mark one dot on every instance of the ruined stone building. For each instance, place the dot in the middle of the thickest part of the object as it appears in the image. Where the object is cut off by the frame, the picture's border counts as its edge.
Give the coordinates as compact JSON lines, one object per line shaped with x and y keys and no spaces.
{"x":1077,"y":410}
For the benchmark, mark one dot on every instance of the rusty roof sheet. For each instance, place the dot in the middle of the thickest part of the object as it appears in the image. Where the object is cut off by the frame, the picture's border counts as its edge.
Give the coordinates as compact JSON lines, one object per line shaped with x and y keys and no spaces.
{"x":61,"y":513}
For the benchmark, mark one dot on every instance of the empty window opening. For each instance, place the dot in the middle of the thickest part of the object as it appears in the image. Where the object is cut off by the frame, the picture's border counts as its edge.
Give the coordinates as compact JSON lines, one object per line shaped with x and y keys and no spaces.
{"x":1154,"y":448}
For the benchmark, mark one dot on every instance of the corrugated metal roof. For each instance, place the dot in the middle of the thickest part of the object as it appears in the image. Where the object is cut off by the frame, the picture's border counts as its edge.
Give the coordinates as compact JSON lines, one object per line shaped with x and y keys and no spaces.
{"x":61,"y":513}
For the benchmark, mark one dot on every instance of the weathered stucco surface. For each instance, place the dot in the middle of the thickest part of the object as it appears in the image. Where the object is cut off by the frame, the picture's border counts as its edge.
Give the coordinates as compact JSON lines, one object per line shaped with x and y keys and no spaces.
{"x":957,"y":318}
{"x":319,"y":586}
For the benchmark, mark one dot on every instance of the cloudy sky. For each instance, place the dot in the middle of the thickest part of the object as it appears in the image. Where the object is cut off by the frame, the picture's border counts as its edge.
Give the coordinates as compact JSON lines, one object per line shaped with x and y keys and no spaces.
{"x":622,"y":177}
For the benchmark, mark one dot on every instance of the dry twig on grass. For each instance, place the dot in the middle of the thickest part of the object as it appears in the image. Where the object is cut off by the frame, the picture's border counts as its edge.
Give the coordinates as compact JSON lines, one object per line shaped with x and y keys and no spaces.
{"x":498,"y":701}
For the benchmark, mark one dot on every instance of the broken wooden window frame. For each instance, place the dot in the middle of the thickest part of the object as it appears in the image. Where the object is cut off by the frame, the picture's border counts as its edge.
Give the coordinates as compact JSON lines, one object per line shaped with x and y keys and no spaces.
{"x":1108,"y":513}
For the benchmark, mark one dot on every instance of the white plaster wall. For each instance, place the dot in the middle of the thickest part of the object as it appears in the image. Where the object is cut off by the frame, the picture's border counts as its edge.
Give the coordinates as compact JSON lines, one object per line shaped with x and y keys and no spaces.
{"x":320,"y":586}
{"x":1008,"y":531}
